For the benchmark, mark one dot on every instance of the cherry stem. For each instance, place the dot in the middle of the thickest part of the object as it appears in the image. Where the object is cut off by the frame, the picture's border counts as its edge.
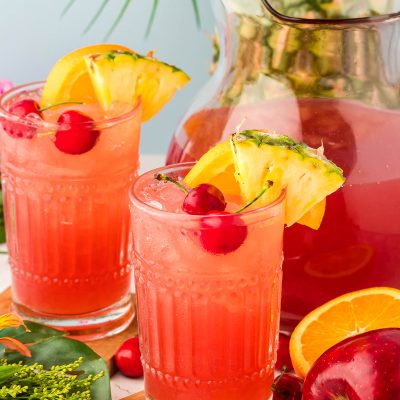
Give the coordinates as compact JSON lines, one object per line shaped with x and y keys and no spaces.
{"x":163,"y":177}
{"x":59,"y":104}
{"x":263,"y":190}
{"x":274,"y":386}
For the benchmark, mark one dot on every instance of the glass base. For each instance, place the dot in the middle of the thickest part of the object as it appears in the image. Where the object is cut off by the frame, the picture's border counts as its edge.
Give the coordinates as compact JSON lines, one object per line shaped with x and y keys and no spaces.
{"x":85,"y":327}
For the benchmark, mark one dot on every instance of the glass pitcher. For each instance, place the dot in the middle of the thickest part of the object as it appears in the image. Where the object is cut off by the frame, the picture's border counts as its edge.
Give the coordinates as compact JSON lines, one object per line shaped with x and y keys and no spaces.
{"x":323,"y":72}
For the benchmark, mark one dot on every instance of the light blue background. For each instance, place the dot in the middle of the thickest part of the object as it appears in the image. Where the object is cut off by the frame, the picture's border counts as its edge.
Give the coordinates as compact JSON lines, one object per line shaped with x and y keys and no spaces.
{"x":33,"y":36}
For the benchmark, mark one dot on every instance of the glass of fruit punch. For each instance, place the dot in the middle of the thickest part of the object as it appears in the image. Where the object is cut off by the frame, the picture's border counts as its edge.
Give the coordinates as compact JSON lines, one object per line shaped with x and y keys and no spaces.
{"x":207,"y":260}
{"x":69,"y":152}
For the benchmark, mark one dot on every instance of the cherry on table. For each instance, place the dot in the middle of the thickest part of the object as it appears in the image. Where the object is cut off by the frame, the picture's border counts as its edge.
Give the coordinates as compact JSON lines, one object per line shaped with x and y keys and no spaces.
{"x":78,"y":136}
{"x":222,"y":233}
{"x":127,"y":358}
{"x":287,"y":387}
{"x":22,"y":109}
{"x":203,"y":199}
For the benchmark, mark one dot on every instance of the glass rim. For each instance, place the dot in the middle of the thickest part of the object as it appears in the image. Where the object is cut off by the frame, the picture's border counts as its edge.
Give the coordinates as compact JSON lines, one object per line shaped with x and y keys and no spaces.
{"x":48,"y":125}
{"x":332,"y":21}
{"x":143,"y":206}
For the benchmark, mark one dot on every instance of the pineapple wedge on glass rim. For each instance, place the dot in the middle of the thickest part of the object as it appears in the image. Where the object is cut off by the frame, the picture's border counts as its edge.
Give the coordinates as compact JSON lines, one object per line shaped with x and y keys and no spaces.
{"x":258,"y":159}
{"x":125,"y":76}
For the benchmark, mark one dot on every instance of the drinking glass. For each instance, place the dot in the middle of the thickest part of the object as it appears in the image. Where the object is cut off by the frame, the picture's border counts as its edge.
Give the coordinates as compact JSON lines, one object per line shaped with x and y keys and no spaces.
{"x":208,"y":321}
{"x":67,"y":218}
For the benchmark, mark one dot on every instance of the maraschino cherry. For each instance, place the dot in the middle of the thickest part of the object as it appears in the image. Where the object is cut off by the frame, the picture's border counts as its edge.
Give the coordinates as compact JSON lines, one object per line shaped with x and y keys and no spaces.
{"x":25,"y":107}
{"x":78,"y":135}
{"x":220,"y":231}
{"x":203,"y":199}
{"x":22,"y":109}
{"x":226,"y":232}
{"x":223,"y":233}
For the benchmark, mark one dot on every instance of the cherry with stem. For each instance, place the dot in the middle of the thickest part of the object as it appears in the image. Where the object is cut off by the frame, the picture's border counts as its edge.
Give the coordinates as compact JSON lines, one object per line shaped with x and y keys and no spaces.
{"x":220,"y":232}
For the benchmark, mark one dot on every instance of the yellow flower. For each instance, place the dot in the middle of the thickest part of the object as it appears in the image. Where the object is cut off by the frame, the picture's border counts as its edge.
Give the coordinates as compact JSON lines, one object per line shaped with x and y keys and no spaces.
{"x":13,"y":321}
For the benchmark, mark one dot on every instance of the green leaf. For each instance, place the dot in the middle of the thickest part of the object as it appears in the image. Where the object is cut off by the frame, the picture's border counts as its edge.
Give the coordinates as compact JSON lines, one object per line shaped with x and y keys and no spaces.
{"x":154,"y":9}
{"x":196,"y":12}
{"x":122,"y":13}
{"x":50,"y":347}
{"x":61,"y":350}
{"x":152,"y":16}
{"x":7,"y":371}
{"x":96,"y":16}
{"x":37,"y":333}
{"x":67,"y":7}
{"x":118,"y":19}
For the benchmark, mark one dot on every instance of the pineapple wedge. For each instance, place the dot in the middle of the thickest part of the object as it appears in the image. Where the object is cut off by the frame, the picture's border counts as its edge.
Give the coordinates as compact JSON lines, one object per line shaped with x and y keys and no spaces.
{"x":125,"y":77}
{"x":278,"y":162}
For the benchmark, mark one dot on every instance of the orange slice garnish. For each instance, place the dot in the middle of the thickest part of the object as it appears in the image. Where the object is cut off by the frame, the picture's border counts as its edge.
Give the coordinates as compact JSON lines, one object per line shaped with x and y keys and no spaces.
{"x":69,"y":79}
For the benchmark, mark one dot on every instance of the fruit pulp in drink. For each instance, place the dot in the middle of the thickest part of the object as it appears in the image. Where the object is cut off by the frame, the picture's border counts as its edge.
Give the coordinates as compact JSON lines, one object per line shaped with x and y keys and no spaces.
{"x":208,"y":322}
{"x":358,"y":244}
{"x":67,"y":215}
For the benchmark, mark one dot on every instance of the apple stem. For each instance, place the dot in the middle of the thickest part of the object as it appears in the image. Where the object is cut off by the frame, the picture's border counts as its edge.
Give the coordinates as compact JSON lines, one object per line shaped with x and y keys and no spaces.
{"x":163,"y":177}
{"x":263,"y":190}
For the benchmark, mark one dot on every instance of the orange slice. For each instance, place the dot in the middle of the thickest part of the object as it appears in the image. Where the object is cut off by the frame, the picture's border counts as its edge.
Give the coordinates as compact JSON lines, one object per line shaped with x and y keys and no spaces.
{"x":340,"y":318}
{"x":69,"y":79}
{"x":339,"y":263}
{"x":216,"y":167}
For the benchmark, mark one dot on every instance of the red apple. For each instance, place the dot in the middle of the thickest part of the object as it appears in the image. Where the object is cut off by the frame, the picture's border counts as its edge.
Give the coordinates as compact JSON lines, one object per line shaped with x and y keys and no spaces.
{"x":363,"y":367}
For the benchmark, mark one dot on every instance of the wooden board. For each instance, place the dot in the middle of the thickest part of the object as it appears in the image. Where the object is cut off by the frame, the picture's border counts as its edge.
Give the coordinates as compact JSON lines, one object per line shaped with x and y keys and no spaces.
{"x":106,"y":348}
{"x":137,"y":396}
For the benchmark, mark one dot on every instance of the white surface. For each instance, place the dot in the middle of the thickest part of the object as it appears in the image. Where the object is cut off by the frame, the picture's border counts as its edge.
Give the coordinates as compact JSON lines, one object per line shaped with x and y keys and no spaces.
{"x":5,"y":276}
{"x":120,"y":386}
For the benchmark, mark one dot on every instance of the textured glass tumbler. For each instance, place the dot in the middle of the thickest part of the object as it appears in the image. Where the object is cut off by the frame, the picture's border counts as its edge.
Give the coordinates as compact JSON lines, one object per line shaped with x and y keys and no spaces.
{"x":208,"y":322}
{"x":67,"y":219}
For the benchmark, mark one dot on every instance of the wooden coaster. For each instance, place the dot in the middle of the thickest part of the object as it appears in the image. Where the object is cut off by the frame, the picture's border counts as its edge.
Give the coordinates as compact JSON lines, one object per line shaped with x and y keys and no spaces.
{"x":137,"y":396}
{"x":105,"y":348}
